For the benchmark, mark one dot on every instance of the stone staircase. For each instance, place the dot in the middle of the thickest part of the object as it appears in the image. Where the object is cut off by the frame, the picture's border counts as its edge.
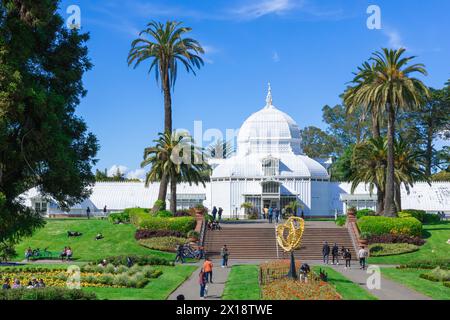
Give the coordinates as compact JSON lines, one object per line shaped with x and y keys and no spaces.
{"x":259,"y":243}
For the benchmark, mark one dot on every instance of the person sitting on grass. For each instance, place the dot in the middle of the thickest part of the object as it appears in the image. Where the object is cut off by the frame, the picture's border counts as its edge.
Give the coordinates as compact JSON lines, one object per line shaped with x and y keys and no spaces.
{"x":30,"y":285}
{"x":63,"y":254}
{"x":6,"y":285}
{"x":16,"y":284}
{"x":28,"y":253}
{"x":99,"y":236}
{"x":69,"y":253}
{"x":41,"y":283}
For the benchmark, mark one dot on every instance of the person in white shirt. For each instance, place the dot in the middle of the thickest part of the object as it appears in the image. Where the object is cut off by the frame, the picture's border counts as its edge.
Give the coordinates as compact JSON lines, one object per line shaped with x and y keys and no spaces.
{"x":362,"y":255}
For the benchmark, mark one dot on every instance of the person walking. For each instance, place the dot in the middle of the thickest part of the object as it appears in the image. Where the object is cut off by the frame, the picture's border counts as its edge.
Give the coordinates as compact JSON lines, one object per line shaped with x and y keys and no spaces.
{"x":348,"y":258}
{"x":270,"y":214}
{"x":277,"y":214}
{"x":220,"y":213}
{"x":214,"y":213}
{"x":105,"y":210}
{"x":362,"y":255}
{"x":208,"y":269}
{"x":88,"y":212}
{"x":335,"y":253}
{"x":180,"y":254}
{"x":202,"y":282}
{"x":265,"y":213}
{"x":326,"y":252}
{"x":224,"y":253}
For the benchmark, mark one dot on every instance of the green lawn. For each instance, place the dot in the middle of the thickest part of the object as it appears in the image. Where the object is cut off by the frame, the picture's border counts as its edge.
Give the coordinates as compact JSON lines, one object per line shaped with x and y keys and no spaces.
{"x":242,"y":283}
{"x":410,"y":278}
{"x":158,"y":289}
{"x":346,"y":288}
{"x":119,"y":239}
{"x":436,"y":247}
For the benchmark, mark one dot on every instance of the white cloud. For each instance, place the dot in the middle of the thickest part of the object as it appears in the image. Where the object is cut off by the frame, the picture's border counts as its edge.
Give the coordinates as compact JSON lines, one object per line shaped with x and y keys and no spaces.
{"x":113,"y":170}
{"x":394,"y":39}
{"x":262,"y":8}
{"x":276,"y":57}
{"x":136,"y":174}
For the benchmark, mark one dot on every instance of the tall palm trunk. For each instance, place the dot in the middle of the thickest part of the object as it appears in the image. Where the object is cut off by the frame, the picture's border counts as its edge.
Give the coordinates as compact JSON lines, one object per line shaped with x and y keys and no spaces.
{"x":389,"y":203}
{"x":162,"y":194}
{"x":398,"y":197}
{"x":376,"y":135}
{"x":173,"y":194}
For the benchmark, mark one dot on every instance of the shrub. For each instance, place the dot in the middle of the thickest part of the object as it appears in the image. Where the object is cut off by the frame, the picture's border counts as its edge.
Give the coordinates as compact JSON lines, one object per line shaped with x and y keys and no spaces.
{"x":431,"y":218}
{"x":139,"y":260}
{"x":395,"y":238}
{"x":137,"y":215}
{"x":389,"y":249}
{"x":437,"y":275}
{"x":418,"y":214}
{"x":163,"y":214}
{"x":340,"y":221}
{"x":119,"y":217}
{"x":183,"y":224}
{"x":427,"y":264}
{"x":162,"y":243}
{"x":383,"y":225}
{"x":365,"y":212}
{"x":48,"y":293}
{"x":146,"y":234}
{"x":193,"y":234}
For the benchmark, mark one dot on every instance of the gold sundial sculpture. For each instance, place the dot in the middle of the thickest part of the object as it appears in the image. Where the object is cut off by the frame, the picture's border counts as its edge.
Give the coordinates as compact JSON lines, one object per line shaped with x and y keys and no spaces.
{"x":291,"y":239}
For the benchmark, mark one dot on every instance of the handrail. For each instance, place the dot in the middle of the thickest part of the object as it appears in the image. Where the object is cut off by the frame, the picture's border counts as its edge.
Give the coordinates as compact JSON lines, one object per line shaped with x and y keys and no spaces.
{"x":202,"y":233}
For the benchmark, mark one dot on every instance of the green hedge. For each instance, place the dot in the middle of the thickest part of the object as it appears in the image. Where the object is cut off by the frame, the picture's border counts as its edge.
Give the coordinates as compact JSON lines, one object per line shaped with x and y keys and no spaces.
{"x":383,"y":225}
{"x":137,"y":215}
{"x":46,"y":294}
{"x":390,"y":249}
{"x":365,"y":212}
{"x":427,"y":264}
{"x":181,"y":224}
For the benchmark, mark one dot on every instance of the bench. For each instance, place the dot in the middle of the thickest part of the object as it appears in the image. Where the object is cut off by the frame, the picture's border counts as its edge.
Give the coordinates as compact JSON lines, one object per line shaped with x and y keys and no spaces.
{"x":45,"y":255}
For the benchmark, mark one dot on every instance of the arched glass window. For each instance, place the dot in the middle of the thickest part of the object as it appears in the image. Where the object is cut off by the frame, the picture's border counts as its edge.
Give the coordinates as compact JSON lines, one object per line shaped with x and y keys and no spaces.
{"x":271,"y":166}
{"x":271,"y":187}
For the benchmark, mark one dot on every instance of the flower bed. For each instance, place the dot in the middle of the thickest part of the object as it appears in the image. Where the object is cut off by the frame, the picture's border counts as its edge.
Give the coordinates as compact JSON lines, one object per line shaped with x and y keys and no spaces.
{"x":46,"y":294}
{"x":147,"y":234}
{"x":395,"y":238}
{"x":90,"y":276}
{"x":388,"y":249}
{"x":286,"y":289}
{"x":163,"y":243}
{"x":427,"y":264}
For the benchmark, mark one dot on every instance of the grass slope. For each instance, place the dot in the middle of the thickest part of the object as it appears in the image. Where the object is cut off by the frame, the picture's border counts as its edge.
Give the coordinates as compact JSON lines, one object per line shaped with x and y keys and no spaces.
{"x":436,"y":247}
{"x":242,"y":283}
{"x":346,"y":288}
{"x":410,"y":278}
{"x":119,"y":239}
{"x":158,"y":289}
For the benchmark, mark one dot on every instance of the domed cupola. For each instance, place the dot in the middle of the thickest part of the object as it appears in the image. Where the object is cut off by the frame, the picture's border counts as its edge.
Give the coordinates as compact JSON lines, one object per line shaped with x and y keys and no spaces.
{"x":269,"y":131}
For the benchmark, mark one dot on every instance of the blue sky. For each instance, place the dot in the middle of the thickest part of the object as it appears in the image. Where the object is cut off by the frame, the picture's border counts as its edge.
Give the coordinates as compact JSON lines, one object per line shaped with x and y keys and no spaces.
{"x":307,"y":49}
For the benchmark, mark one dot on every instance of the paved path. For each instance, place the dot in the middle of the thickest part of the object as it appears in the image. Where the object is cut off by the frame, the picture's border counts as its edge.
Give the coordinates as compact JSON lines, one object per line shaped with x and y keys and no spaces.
{"x":191,"y":289}
{"x":389,"y":290}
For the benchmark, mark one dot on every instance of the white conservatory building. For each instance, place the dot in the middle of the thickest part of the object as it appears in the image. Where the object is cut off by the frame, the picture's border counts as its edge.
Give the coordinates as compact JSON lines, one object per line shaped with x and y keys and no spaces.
{"x":268,"y":169}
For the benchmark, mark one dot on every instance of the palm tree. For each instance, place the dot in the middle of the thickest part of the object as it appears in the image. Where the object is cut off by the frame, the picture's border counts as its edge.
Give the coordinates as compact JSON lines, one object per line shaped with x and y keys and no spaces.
{"x":366,"y":159}
{"x":175,"y":156}
{"x":408,"y":168}
{"x":391,"y":87}
{"x":220,"y":149}
{"x":369,"y":167}
{"x":165,"y":46}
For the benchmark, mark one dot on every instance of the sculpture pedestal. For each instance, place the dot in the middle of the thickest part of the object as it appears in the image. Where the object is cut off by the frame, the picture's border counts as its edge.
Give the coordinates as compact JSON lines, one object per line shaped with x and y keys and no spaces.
{"x":292,"y":270}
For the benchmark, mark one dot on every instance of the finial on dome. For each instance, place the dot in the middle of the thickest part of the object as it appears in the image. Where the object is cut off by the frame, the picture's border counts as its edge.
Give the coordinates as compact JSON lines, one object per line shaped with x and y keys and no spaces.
{"x":269,"y":98}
